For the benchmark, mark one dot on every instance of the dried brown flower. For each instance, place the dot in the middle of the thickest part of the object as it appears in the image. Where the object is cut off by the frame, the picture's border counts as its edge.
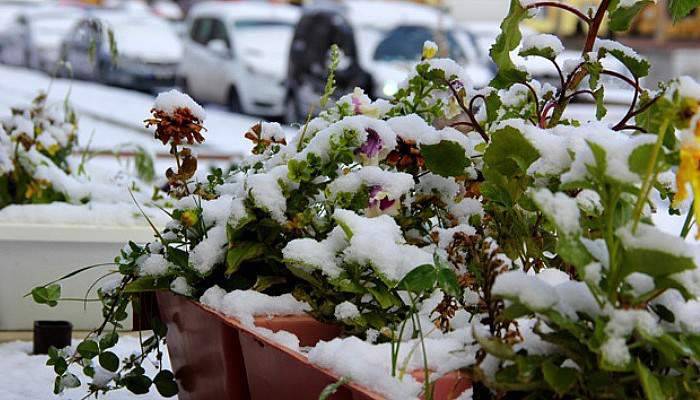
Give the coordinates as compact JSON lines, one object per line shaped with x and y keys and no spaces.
{"x":406,"y":156}
{"x":177,"y":127}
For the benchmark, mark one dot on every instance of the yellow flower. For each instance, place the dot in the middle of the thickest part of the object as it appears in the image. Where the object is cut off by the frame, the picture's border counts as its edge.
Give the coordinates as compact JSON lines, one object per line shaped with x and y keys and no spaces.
{"x":189,"y":218}
{"x":430,"y":50}
{"x":689,"y":169}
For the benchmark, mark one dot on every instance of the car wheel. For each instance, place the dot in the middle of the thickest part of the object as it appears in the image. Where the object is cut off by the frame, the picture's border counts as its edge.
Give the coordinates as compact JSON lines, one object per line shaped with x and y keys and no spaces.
{"x":234,"y":101}
{"x":291,"y":110}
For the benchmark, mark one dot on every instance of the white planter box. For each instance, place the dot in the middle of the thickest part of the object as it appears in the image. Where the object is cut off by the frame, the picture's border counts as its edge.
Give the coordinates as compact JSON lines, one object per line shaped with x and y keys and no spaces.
{"x":34,"y":254}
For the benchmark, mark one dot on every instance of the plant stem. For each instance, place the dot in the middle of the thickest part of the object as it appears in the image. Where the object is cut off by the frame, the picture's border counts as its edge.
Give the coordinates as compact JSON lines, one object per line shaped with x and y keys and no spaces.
{"x":650,"y":176}
{"x":688,"y":221}
{"x":562,"y":6}
{"x":428,"y":395}
{"x":611,"y":243}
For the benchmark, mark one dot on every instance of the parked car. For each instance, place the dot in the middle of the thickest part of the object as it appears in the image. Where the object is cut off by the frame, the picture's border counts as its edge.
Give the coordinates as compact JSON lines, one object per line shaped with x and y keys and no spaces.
{"x":147,"y":56}
{"x":379,"y":42}
{"x":236,"y":54}
{"x":33,"y":39}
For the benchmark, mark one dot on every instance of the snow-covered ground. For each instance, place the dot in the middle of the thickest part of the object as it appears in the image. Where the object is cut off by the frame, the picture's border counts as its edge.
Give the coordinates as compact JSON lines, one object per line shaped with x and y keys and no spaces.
{"x":113,"y":116}
{"x":26,"y":377}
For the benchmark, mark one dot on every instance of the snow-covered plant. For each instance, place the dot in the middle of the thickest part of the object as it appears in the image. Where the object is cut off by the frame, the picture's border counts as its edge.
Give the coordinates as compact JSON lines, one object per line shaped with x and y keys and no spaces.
{"x":35,"y":143}
{"x":487,"y":213}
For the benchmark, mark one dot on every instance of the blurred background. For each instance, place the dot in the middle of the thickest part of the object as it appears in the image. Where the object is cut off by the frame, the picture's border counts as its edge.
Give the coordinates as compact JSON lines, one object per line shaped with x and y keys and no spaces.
{"x":252,"y":60}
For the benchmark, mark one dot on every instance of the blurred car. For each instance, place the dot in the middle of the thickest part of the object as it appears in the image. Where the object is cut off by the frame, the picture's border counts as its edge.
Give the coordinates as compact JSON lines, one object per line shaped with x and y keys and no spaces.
{"x":9,"y":11}
{"x":34,"y":38}
{"x":148,"y":50}
{"x":236,"y":54}
{"x":379,"y":41}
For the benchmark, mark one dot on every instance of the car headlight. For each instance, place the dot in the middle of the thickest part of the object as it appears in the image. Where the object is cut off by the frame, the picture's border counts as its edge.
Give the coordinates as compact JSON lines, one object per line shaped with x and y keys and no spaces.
{"x":390,"y":88}
{"x":265,"y":75}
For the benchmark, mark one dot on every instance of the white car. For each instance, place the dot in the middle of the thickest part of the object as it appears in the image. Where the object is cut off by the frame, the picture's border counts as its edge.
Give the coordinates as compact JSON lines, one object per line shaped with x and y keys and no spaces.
{"x":33,"y":39}
{"x":148,"y":50}
{"x":380,"y":42}
{"x":236,"y":54}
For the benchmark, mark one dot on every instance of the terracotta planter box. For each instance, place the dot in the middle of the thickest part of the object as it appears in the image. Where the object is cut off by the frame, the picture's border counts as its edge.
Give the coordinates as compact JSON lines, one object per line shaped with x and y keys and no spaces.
{"x":214,"y":356}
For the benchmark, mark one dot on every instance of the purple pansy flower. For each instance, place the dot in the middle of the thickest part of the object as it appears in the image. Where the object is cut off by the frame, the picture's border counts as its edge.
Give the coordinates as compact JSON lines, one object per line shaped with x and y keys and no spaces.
{"x":380,"y":203}
{"x":371,"y":148}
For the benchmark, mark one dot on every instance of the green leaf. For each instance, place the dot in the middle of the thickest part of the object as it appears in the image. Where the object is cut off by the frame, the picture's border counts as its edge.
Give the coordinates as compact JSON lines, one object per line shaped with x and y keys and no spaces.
{"x":265,"y":282}
{"x":650,"y":385}
{"x":507,"y":41}
{"x":639,"y":159}
{"x":330,"y":390}
{"x":144,"y":164}
{"x":561,"y":380}
{"x":546,"y":52}
{"x":600,"y":109}
{"x":621,"y":17}
{"x":48,"y":295}
{"x":109,"y":361}
{"x":681,"y":8}
{"x":509,"y":152}
{"x":446,"y":158}
{"x":137,"y":383}
{"x":654,"y":263}
{"x":420,"y":279}
{"x":384,"y":297}
{"x":638,"y":66}
{"x":108,"y":340}
{"x":496,"y":347}
{"x":571,"y":250}
{"x":146,"y":284}
{"x":242,"y":252}
{"x":514,"y":311}
{"x":448,"y":282}
{"x":88,"y":349}
{"x":165,"y":383}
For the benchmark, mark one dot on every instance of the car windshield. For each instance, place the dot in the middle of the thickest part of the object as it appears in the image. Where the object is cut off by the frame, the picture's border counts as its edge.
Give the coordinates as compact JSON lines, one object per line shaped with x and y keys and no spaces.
{"x":405,"y":43}
{"x":246,"y":24}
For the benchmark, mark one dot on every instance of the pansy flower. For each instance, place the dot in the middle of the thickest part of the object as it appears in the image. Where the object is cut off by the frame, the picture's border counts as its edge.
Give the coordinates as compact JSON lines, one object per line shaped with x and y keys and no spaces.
{"x":380,"y":202}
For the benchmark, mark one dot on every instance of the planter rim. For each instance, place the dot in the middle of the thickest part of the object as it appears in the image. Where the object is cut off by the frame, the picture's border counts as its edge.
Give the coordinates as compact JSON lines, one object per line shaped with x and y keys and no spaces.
{"x":17,"y":232}
{"x":235,"y":323}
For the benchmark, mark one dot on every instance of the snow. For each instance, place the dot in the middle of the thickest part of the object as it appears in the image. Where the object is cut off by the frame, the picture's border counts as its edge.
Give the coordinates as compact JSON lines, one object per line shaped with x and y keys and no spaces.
{"x":272,"y":131}
{"x":379,"y":242}
{"x":26,"y":376}
{"x":154,"y":265}
{"x":651,"y":238}
{"x":346,"y":311}
{"x":589,"y":202}
{"x":688,"y":87}
{"x":616,"y":352}
{"x":396,"y":184}
{"x":210,"y":251}
{"x":267,"y":193}
{"x":180,"y":286}
{"x":612,"y":45}
{"x":169,"y":102}
{"x":224,"y":136}
{"x":446,"y":236}
{"x":628,"y":3}
{"x":309,"y":254}
{"x":617,"y":146}
{"x":247,"y":304}
{"x":529,"y":290}
{"x":541,"y":42}
{"x":143,"y":38}
{"x":562,"y":209}
{"x":90,"y":214}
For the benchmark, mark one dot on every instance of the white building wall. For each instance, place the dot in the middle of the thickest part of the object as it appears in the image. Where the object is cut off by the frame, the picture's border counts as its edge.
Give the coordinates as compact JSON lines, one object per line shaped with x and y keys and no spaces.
{"x":478,"y":10}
